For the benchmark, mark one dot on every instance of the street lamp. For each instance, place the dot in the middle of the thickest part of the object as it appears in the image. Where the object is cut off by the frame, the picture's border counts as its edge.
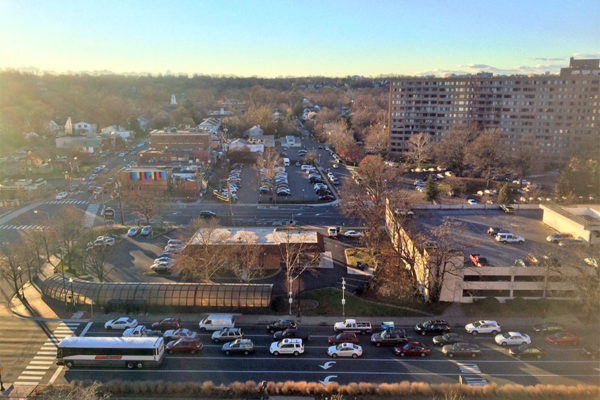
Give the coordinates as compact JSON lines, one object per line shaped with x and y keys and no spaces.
{"x":290,"y":293}
{"x":21,"y":280}
{"x":72,"y":295}
{"x":343,"y":298}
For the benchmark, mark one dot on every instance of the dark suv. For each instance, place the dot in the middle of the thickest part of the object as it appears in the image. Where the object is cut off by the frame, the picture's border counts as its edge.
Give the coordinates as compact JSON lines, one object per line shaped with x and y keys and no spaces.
{"x":281,"y":325}
{"x":438,"y":327}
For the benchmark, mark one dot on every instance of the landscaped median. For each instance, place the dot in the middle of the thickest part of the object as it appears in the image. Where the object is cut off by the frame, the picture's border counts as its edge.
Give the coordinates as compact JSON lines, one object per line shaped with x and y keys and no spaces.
{"x":330,"y":303}
{"x":251,"y":389}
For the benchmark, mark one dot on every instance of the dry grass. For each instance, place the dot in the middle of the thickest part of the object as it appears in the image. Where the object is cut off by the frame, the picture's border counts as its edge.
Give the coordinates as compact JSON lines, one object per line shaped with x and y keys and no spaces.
{"x":408,"y":390}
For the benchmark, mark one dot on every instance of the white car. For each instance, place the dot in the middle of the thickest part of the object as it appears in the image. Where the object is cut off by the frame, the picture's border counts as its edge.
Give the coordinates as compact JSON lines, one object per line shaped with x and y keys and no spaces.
{"x":138,"y":331}
{"x":287,"y":346}
{"x":162,"y":266}
{"x":134,"y":230}
{"x":174,"y":248}
{"x":146,"y":230}
{"x":483,"y":326}
{"x":109,"y":240}
{"x":345,"y":350}
{"x":121,"y":323}
{"x":174,"y":334}
{"x":512,"y":339}
{"x":505,"y":237}
{"x":175,"y":242}
{"x":62,"y":195}
{"x":353,"y":234}
{"x":472,"y":202}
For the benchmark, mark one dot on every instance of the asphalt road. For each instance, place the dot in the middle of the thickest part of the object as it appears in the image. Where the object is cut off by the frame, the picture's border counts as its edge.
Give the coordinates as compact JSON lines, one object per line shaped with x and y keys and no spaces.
{"x":561,"y":365}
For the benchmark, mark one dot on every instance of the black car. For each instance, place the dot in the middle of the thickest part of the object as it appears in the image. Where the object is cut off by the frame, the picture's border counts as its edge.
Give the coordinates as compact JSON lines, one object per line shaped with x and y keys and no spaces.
{"x":438,"y":327}
{"x":281,"y":325}
{"x":245,"y":346}
{"x":207,"y":214}
{"x":389,"y":338}
{"x":291,"y":333}
{"x":527,"y":351}
{"x":548,"y":327}
{"x":327,"y":197}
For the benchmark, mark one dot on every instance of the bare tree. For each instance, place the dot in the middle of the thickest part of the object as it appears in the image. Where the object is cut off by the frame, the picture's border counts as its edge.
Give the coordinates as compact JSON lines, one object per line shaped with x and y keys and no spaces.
{"x":418,"y":148}
{"x":205,"y":254}
{"x":376,"y":140}
{"x":311,"y":157}
{"x":10,"y":269}
{"x":454,"y":146}
{"x":487,"y":153}
{"x":144,"y":205}
{"x":245,"y":257}
{"x":94,"y":261}
{"x":68,"y":234}
{"x":75,"y":392}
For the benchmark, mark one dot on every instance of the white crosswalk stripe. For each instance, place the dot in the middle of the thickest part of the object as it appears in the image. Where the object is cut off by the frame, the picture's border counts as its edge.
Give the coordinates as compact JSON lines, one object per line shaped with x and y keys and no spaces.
{"x":23,"y":227}
{"x":45,"y":358}
{"x":71,"y":201}
{"x":468,"y":368}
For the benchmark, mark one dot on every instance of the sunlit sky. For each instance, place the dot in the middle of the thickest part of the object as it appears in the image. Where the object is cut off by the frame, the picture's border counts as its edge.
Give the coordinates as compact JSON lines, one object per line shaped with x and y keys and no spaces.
{"x":298,"y":38}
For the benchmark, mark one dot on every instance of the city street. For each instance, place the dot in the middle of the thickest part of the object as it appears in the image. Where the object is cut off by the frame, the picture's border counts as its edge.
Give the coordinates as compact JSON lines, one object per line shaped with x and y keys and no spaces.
{"x":561,"y":366}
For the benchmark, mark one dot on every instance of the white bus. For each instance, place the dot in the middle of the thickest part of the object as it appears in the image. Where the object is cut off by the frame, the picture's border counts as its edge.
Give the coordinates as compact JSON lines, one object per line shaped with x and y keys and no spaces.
{"x":130,"y":352}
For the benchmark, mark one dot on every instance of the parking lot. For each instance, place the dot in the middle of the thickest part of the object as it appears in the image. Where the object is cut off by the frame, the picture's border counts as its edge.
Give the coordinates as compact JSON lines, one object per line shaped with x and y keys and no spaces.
{"x":475,"y":239}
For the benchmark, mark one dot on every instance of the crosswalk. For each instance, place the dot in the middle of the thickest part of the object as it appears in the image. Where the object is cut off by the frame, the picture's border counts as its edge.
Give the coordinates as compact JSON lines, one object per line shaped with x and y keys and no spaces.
{"x":72,"y":202}
{"x":46,"y":356}
{"x":468,"y":368}
{"x":23,"y":227}
{"x":470,"y":374}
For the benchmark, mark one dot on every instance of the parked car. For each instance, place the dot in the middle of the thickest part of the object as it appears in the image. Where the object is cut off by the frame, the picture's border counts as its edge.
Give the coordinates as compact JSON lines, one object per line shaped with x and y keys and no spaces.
{"x":527,"y":351}
{"x":472,"y":202}
{"x":162,"y":266}
{"x":292,"y":333}
{"x":478,"y":260}
{"x":174,"y":334}
{"x":245,"y":346}
{"x":134,"y":230}
{"x":207,"y":214}
{"x":281,"y":325}
{"x":519,"y":262}
{"x":412,"y":349}
{"x":557,"y":237}
{"x":503,"y":237}
{"x":353,"y":234}
{"x":121,"y":323}
{"x":146,"y":230}
{"x":167,"y":323}
{"x":447,"y":338}
{"x":389,"y":338}
{"x":227,"y":335}
{"x":494,"y":230}
{"x":432,"y":326}
{"x":345,"y":350}
{"x":287,"y":346}
{"x":572,"y":242}
{"x":344,"y":337}
{"x":461,"y":349}
{"x":548,"y":327}
{"x":327,"y":197}
{"x":184,"y":345}
{"x":512,"y":339}
{"x":483,"y":326}
{"x":563,"y":339}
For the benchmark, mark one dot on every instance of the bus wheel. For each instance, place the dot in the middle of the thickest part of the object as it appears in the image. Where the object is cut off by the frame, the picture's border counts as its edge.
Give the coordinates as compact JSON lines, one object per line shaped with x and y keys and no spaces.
{"x":70,"y":364}
{"x":140,"y":365}
{"x":130,"y":365}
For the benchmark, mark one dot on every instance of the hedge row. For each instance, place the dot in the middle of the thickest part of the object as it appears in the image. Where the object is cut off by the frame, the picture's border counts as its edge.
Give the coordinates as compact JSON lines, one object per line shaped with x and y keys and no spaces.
{"x":396,"y":390}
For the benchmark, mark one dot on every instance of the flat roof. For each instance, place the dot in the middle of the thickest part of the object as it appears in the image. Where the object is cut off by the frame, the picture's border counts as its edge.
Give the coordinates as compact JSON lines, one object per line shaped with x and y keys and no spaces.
{"x":245,"y":235}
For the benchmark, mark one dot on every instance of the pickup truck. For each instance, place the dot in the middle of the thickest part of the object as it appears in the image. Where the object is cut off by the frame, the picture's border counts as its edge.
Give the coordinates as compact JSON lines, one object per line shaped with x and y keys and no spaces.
{"x":351,"y":325}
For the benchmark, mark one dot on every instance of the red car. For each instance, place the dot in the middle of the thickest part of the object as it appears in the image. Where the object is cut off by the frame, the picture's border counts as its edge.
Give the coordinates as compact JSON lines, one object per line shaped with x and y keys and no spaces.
{"x":477,"y":260}
{"x":167,"y":323}
{"x":563,"y":338}
{"x":344,"y":337}
{"x":413,"y":349}
{"x":184,"y":345}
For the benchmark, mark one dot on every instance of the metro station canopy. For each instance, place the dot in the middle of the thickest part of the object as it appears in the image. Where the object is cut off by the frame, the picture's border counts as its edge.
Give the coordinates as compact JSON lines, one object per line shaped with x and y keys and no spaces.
{"x":210,"y":295}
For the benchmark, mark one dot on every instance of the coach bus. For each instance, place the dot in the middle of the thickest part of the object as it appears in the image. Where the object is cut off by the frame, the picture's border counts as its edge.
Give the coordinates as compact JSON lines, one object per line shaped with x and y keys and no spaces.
{"x":130,"y":352}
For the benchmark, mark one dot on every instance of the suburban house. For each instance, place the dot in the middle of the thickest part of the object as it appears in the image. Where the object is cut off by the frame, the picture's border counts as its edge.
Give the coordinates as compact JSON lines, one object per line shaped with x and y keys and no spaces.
{"x":255,"y":131}
{"x":84,"y":128}
{"x":245,"y":145}
{"x":274,"y":243}
{"x":117,"y":130}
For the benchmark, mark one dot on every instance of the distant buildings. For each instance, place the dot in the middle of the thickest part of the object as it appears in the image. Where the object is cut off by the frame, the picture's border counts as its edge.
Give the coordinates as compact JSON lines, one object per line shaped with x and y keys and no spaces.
{"x":551,"y":112}
{"x":180,"y":139}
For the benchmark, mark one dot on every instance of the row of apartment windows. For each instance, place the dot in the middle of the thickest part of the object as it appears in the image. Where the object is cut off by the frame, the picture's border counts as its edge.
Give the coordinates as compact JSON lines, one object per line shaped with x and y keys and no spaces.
{"x":498,"y":82}
{"x":517,"y":293}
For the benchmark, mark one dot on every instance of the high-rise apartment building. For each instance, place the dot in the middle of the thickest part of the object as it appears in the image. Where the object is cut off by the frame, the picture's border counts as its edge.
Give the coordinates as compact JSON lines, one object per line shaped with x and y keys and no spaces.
{"x":553,"y":113}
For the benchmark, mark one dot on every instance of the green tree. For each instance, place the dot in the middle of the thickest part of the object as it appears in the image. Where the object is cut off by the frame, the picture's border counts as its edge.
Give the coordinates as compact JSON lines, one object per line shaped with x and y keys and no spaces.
{"x":432,"y":190}
{"x":507,"y":194}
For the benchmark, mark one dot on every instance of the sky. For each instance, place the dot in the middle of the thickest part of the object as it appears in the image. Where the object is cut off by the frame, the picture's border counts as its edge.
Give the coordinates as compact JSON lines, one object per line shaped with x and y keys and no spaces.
{"x":282,"y":38}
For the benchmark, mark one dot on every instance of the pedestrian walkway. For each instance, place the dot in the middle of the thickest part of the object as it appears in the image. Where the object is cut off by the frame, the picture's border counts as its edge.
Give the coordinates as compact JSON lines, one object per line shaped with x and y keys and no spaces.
{"x":90,"y":215}
{"x":45,"y":358}
{"x":23,"y":227}
{"x":72,"y":202}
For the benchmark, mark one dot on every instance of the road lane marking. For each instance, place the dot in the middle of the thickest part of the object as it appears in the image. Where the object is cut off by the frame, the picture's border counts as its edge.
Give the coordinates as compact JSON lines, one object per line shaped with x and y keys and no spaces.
{"x":397,"y":360}
{"x":219,"y":371}
{"x":33,"y":373}
{"x":37,"y":367}
{"x":58,"y":371}
{"x":86,"y":329}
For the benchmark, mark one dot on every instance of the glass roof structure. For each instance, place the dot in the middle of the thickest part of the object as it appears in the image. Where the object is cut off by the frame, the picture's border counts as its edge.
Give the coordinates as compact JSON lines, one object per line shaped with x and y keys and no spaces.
{"x":214,"y":295}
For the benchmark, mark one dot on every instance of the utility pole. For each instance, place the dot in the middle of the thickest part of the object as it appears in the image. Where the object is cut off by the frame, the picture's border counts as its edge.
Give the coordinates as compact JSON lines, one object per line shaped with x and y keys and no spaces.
{"x":290,"y":293}
{"x":343,"y":298}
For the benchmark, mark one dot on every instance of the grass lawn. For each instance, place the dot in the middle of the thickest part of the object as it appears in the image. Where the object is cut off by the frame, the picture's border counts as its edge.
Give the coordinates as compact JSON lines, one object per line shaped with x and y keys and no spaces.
{"x":330,"y":303}
{"x":356,"y":254}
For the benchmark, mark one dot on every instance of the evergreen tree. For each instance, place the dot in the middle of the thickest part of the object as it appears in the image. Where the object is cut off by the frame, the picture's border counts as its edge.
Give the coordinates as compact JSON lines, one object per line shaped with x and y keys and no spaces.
{"x":432,"y":191}
{"x":506,"y":195}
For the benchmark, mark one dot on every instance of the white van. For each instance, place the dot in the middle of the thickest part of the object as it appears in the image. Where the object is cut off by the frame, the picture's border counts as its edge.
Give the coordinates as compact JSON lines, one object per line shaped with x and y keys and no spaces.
{"x":333,"y":231}
{"x":286,"y":162}
{"x":216,"y":322}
